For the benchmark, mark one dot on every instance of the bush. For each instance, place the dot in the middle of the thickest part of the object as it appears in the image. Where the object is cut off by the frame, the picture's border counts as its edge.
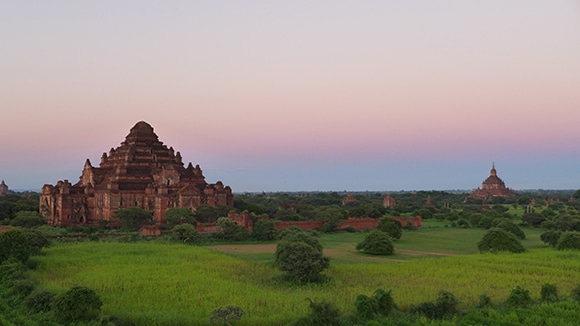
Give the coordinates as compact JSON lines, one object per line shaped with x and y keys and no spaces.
{"x":575,"y":294}
{"x":265,"y":230}
{"x":301,"y":256}
{"x":14,"y":243}
{"x":226,"y":314}
{"x":484,"y":301}
{"x":496,"y":240}
{"x":321,"y":313}
{"x":512,"y":228}
{"x":376,"y":243}
{"x":390,"y":226}
{"x":569,"y":241}
{"x":519,"y":297}
{"x":77,"y":304}
{"x":40,"y":301}
{"x":551,"y":237}
{"x":186,"y":233}
{"x":446,"y":304}
{"x":549,"y":292}
{"x":381,"y":303}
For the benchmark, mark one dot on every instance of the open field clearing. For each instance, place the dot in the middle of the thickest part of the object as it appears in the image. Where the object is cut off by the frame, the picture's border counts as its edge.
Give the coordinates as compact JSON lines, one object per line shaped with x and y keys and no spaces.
{"x":174,"y":284}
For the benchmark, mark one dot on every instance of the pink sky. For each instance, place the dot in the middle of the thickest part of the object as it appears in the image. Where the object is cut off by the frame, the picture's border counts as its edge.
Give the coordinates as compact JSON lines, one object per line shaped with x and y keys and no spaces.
{"x":301,"y":95}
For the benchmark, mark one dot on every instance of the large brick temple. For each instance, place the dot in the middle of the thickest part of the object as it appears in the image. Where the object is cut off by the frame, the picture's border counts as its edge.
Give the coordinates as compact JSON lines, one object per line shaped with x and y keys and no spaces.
{"x":142,"y":172}
{"x":493,"y":186}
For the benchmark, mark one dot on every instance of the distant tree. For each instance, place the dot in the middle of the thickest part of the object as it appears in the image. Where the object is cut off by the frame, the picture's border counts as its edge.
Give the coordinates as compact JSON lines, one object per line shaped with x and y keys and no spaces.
{"x":519,"y":297}
{"x":497,"y":239}
{"x":36,"y":240}
{"x":376,"y":243}
{"x":210,"y":214}
{"x":301,"y":256}
{"x":533,"y":219}
{"x":179,"y":215}
{"x":228,"y":230}
{"x":265,"y":230}
{"x":569,"y":240}
{"x":551,"y":237}
{"x":133,"y":218}
{"x":390,"y":226}
{"x":332,"y":216}
{"x":27,"y":219}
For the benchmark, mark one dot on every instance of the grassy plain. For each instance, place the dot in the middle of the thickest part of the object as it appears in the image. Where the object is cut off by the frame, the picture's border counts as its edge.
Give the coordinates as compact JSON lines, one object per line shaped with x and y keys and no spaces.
{"x":174,"y":284}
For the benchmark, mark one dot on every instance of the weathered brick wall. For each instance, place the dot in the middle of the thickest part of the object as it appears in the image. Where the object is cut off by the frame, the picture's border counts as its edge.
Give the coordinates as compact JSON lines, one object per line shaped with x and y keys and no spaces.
{"x":303,"y":225}
{"x":359,"y":223}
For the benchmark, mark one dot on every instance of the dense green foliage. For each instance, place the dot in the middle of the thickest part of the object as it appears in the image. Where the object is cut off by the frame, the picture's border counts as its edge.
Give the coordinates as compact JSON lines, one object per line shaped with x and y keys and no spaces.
{"x":27,"y":219}
{"x":376,"y":243}
{"x":512,"y":228}
{"x":549,"y":293}
{"x":301,"y":257}
{"x":519,"y":297}
{"x":497,"y":239}
{"x":186,"y":233}
{"x":551,"y":237}
{"x":569,"y":241}
{"x":392,"y":227}
{"x":179,"y":215}
{"x":14,"y":244}
{"x":265,"y":230}
{"x":133,"y":218}
{"x":12,"y":203}
{"x":229,"y":230}
{"x":77,"y":304}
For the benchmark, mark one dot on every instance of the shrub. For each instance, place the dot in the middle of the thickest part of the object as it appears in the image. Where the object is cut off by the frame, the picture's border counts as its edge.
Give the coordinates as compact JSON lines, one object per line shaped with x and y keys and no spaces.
{"x":549,"y":292}
{"x":496,"y":240}
{"x":40,"y":301}
{"x":265,"y":230}
{"x":569,"y":240}
{"x":551,"y":237}
{"x":533,"y":219}
{"x":509,"y":226}
{"x":288,"y":231}
{"x":301,"y":256}
{"x":519,"y":297}
{"x":462,"y":223}
{"x":77,"y":304}
{"x":447,"y":303}
{"x":575,"y":294}
{"x":376,"y":243}
{"x":484,"y":301}
{"x":385,"y":301}
{"x":390,"y":226}
{"x":14,"y":243}
{"x":366,"y":307}
{"x":186,"y":233}
{"x":485,"y":222}
{"x":226,"y":314}
{"x":321,"y":313}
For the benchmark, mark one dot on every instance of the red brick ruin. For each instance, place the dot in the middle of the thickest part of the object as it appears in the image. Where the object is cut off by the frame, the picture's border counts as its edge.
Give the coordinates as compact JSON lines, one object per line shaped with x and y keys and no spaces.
{"x":141,"y":172}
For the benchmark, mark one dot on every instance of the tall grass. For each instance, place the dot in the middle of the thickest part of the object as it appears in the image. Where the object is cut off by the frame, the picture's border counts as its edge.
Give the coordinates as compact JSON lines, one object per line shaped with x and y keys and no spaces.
{"x":164,"y":284}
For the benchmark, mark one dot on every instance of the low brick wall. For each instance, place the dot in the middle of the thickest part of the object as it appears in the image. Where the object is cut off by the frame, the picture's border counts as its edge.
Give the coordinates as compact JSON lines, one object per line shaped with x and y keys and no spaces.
{"x":359,"y":223}
{"x":302,"y":225}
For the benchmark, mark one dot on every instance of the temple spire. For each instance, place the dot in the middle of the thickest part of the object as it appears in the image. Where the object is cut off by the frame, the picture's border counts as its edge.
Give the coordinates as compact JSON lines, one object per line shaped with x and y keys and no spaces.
{"x":493,"y":171}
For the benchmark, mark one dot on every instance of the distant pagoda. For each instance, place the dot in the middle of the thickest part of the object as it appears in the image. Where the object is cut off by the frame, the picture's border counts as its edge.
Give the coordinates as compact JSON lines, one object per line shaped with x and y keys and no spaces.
{"x":493,"y":186}
{"x":142,"y":172}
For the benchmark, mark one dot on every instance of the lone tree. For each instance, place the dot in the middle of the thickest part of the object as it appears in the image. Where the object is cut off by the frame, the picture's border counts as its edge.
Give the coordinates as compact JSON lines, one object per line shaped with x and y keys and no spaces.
{"x":392,"y":227}
{"x":179,"y":215}
{"x":376,"y":243}
{"x":301,"y":256}
{"x":497,"y":239}
{"x":14,"y":243}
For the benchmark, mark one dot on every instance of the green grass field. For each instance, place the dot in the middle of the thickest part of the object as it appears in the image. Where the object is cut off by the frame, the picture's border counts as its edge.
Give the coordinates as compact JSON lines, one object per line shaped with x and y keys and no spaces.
{"x":153,"y":283}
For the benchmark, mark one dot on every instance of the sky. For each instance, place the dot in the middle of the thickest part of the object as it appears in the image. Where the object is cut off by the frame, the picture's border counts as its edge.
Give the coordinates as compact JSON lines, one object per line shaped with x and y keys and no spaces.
{"x":297,"y":95}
